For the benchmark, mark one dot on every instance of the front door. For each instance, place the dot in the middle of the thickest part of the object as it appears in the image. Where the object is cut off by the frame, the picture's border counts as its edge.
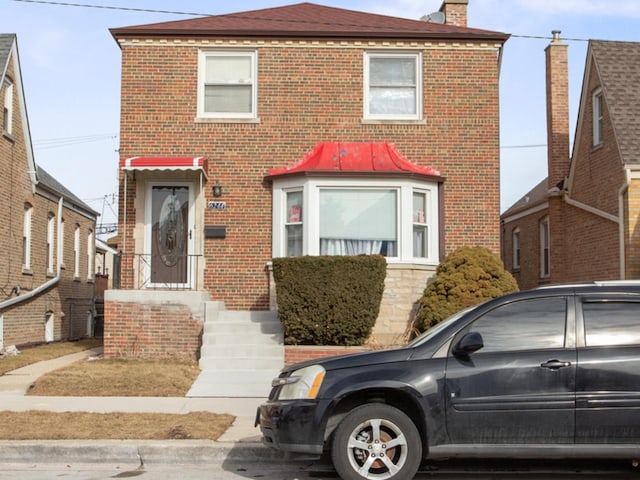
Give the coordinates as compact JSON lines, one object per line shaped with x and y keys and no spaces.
{"x":170,"y":235}
{"x":519,"y":387}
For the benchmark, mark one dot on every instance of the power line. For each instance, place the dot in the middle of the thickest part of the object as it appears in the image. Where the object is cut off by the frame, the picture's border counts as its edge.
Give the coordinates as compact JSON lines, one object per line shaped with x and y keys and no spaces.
{"x":108,"y":7}
{"x":176,"y":12}
{"x":67,"y":141}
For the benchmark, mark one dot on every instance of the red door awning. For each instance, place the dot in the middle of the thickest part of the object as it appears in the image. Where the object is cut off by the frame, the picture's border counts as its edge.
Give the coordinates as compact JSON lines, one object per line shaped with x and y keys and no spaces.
{"x":165,"y":163}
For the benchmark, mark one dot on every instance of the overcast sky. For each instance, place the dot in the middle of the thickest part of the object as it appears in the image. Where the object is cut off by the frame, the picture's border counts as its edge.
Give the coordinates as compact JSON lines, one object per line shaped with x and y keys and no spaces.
{"x":71,"y":74}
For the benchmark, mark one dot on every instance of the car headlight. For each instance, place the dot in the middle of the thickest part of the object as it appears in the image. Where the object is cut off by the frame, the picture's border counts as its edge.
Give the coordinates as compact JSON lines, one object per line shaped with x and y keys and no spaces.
{"x":303,"y":383}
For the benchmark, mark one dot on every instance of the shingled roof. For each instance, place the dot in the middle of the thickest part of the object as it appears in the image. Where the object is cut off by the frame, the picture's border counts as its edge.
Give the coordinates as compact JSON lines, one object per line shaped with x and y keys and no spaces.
{"x":45,"y":179}
{"x":618,"y":66}
{"x":6,"y":43}
{"x":307,"y":20}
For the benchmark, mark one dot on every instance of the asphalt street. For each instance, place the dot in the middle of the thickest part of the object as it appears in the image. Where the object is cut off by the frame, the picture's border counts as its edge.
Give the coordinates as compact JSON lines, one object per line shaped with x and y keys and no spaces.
{"x":301,"y":470}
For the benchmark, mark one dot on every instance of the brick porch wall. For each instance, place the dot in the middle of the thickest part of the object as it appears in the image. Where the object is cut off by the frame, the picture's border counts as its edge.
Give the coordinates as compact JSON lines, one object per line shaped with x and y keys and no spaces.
{"x":134,"y":330}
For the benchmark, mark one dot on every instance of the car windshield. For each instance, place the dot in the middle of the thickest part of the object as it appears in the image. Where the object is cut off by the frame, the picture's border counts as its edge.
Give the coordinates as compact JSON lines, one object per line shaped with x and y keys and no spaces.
{"x":438,"y":327}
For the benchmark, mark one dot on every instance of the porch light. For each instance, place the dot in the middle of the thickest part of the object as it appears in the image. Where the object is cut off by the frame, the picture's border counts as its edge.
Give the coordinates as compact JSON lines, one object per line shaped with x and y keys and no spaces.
{"x":217,"y":189}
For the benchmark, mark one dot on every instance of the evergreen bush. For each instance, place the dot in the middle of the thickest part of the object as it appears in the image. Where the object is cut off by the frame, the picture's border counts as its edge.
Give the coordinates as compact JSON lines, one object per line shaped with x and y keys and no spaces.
{"x":329,"y":300}
{"x":467,"y":277}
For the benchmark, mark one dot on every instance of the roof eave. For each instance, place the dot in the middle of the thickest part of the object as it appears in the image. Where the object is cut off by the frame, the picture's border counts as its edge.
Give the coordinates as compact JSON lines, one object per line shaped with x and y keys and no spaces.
{"x":123,"y":33}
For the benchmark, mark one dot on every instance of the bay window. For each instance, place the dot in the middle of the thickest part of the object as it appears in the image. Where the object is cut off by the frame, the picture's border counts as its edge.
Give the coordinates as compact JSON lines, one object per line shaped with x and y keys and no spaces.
{"x":355,"y":221}
{"x":394,"y":218}
{"x":293,"y":224}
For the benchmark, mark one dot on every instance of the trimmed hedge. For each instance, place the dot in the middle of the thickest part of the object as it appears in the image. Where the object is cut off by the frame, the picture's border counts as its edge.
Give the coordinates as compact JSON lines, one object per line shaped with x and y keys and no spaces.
{"x":329,"y":300}
{"x":467,"y":277}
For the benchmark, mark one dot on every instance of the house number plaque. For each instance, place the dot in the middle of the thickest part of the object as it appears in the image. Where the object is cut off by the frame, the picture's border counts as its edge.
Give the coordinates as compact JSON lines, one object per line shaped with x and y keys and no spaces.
{"x":216,"y":205}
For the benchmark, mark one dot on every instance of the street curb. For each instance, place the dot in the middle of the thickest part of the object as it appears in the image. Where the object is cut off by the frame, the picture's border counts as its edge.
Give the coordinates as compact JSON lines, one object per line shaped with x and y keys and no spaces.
{"x":133,"y":452}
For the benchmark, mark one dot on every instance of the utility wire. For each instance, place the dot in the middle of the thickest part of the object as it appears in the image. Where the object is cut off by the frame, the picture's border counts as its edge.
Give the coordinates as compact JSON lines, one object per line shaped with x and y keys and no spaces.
{"x":176,"y":12}
{"x":107,"y":7}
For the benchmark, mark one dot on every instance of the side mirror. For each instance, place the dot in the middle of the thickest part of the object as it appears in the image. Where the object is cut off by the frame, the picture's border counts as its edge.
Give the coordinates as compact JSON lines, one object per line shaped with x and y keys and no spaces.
{"x":469,"y":343}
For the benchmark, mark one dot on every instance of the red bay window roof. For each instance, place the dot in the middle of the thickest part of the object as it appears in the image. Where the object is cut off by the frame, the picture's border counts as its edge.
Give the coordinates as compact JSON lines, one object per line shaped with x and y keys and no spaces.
{"x":165,"y":163}
{"x":355,"y":157}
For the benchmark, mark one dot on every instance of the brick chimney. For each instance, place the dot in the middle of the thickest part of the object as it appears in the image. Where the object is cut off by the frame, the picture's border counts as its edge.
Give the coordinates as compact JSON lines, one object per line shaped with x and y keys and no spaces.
{"x":455,"y":12}
{"x":557,"y":111}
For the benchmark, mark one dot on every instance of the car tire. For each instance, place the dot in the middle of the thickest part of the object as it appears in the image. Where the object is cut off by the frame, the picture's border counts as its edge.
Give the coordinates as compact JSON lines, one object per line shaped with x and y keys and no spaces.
{"x":374,"y":442}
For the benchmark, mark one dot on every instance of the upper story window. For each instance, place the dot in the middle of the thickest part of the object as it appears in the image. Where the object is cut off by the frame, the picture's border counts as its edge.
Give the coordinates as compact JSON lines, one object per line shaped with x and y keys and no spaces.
{"x":393,"y":86}
{"x":26,"y":237}
{"x":395,"y":218}
{"x":76,"y":251}
{"x":7,"y":107}
{"x":545,"y":247}
{"x":227,"y":86}
{"x":91,"y":248}
{"x":516,"y":248}
{"x":597,"y":117}
{"x":51,"y":230}
{"x":61,"y":238}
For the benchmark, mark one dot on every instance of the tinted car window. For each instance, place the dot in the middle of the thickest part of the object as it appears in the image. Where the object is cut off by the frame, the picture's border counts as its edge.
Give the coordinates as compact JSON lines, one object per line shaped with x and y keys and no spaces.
{"x":526,"y":325}
{"x":611,"y":323}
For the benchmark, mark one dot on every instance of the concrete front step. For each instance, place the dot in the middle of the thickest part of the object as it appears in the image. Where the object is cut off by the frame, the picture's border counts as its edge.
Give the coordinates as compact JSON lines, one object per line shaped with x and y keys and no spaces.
{"x":242,"y":341}
{"x":222,"y":364}
{"x":239,"y":383}
{"x":250,"y":351}
{"x":245,"y":327}
{"x":242,"y":352}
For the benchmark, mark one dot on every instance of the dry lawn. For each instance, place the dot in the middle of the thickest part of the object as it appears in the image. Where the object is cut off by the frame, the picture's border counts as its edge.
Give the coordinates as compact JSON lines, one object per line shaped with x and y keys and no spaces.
{"x":119,"y":378}
{"x":40,"y":425}
{"x":49,"y":351}
{"x":110,"y":377}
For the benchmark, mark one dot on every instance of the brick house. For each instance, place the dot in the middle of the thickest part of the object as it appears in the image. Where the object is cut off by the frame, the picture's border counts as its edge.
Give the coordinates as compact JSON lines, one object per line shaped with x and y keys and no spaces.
{"x":296,"y":130}
{"x":47,"y":266}
{"x":581,"y":223}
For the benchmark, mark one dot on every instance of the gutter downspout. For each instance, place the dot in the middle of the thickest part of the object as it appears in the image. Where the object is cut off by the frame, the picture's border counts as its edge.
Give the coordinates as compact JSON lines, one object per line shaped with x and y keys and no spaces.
{"x":49,"y":283}
{"x":621,"y":236}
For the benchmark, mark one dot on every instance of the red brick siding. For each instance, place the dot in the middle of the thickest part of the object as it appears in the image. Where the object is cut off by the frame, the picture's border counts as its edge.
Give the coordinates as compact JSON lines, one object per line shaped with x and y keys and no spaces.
{"x":307,"y":95}
{"x":584,"y":246}
{"x":302,"y":353}
{"x":24,"y":322}
{"x":150,"y":331}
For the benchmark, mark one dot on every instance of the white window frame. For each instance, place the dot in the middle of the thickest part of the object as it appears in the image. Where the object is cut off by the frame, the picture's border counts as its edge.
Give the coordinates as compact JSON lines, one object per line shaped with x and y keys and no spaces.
{"x":516,"y":251}
{"x":91,"y":251}
{"x":545,"y":248}
{"x":417,"y":57}
{"x":597,"y":102}
{"x":311,"y":187}
{"x":202,"y":59}
{"x":51,"y":242}
{"x":26,"y":237}
{"x":61,"y":242}
{"x":7,"y":109}
{"x":76,"y":252}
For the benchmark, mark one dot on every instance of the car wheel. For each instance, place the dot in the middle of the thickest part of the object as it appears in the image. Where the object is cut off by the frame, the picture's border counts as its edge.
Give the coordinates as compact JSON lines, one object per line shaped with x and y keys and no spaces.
{"x":376,"y":441}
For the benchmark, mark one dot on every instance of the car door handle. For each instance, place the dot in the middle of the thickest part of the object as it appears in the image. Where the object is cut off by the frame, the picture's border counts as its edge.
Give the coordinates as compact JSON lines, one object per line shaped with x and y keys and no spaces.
{"x":555,"y":364}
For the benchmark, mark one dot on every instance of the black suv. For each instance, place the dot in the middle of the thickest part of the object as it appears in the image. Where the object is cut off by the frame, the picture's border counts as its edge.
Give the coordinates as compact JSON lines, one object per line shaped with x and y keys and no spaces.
{"x":552,"y":372}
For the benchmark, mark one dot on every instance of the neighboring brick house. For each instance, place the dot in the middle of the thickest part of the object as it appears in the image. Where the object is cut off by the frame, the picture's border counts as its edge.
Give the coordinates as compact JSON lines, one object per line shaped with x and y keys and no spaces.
{"x":582,"y":222}
{"x":297,"y":130}
{"x":46,"y":271}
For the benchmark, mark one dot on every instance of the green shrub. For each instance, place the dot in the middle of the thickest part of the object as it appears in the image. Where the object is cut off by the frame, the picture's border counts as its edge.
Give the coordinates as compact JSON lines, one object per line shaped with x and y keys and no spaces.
{"x":467,"y":277}
{"x":329,"y":300}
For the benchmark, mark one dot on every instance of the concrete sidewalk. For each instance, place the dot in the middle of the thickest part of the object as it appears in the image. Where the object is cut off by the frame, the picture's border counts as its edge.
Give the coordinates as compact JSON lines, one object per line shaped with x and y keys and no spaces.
{"x":241,"y":440}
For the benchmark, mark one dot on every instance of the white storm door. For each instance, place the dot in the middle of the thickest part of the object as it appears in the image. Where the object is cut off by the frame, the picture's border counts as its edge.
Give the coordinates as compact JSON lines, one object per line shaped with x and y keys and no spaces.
{"x":169,"y":236}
